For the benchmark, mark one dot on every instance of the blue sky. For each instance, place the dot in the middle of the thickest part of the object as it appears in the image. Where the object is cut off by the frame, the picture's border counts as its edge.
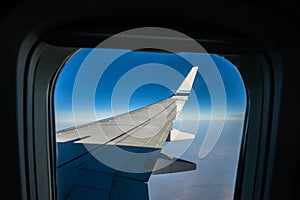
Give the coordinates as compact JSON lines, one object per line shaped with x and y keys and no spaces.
{"x":126,"y":84}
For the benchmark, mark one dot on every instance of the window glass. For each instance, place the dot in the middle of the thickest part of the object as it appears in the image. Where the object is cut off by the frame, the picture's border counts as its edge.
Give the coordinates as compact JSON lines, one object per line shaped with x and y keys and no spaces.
{"x":104,"y":154}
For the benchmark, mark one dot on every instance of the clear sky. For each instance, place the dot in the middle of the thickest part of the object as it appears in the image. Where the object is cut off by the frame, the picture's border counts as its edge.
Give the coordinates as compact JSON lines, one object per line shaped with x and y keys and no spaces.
{"x":136,"y":79}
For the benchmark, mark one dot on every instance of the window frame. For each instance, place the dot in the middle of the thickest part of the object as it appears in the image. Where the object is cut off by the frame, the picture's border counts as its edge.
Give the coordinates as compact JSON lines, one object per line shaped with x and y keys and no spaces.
{"x":38,"y":144}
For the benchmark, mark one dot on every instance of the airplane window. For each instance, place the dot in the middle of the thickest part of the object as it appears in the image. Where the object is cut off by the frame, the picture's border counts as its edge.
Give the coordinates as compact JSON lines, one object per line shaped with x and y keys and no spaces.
{"x":148,"y":125}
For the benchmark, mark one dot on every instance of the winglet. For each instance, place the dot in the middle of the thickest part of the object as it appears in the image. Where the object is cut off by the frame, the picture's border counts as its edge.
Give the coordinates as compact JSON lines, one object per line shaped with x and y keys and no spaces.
{"x":184,"y":89}
{"x":186,"y":85}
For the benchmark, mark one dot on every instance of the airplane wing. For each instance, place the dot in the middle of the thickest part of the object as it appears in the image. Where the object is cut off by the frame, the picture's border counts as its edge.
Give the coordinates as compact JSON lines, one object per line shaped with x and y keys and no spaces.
{"x":81,"y":150}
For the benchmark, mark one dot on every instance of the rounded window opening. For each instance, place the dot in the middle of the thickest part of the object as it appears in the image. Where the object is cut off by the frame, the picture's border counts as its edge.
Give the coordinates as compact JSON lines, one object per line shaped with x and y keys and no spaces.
{"x":149,"y":125}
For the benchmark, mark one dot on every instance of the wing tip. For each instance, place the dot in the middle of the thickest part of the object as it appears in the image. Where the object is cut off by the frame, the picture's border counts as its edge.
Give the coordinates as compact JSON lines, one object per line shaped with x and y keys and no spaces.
{"x":186,"y":86}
